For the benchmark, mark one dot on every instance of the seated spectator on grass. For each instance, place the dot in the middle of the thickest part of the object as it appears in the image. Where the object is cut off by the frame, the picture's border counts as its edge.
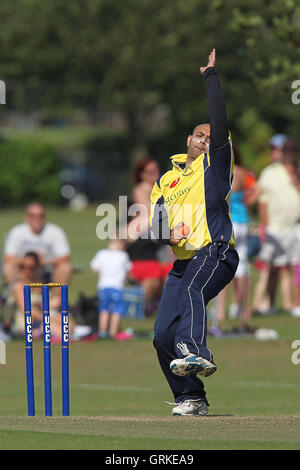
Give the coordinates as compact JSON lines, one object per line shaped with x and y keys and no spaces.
{"x":29,"y":271}
{"x":112,"y":266}
{"x":44,"y":238}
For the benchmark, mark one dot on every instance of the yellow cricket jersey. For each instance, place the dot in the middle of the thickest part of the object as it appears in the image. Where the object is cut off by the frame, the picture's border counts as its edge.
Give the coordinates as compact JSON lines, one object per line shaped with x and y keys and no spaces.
{"x":197,"y":195}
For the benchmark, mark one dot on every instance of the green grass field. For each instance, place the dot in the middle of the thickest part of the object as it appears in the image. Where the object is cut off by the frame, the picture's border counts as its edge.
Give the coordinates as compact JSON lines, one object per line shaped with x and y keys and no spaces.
{"x":118,"y":391}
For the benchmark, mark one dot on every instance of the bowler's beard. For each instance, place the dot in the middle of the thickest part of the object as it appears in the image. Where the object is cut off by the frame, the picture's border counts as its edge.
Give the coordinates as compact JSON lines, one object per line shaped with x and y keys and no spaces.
{"x":195,"y":152}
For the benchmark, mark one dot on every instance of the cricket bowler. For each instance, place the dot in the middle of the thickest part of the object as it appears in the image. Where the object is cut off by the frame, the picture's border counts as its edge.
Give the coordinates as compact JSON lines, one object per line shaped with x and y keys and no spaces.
{"x":190,"y":211}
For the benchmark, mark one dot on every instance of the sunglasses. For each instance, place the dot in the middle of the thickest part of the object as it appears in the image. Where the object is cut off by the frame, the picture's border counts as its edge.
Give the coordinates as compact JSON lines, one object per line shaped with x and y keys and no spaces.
{"x":29,"y":267}
{"x":40,"y":215}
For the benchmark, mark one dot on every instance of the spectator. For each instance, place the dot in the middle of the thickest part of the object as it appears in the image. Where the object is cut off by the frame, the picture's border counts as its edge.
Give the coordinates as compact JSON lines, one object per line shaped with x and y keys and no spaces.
{"x":44,"y":238}
{"x":112,"y":266}
{"x":267,"y":281}
{"x":29,"y":271}
{"x":291,"y":148}
{"x":147,"y":267}
{"x":276,"y":144}
{"x":279,"y":210}
{"x":146,"y":172}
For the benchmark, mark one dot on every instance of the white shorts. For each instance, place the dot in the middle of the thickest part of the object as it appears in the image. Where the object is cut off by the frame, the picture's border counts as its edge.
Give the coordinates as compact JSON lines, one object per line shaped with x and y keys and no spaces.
{"x":241,"y":245}
{"x":280,"y":249}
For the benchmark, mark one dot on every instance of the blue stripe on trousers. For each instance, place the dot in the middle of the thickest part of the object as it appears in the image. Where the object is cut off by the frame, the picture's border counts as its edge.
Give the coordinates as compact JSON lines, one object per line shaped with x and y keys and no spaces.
{"x":181,"y":317}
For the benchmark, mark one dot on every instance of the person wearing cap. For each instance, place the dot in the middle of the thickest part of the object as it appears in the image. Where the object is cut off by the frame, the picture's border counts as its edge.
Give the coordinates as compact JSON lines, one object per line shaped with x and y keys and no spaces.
{"x":279,"y":211}
{"x":261,"y":301}
{"x":276,"y":144}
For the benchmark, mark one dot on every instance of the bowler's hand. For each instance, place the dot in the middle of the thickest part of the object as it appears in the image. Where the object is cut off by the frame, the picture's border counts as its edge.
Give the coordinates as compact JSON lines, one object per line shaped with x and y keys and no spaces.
{"x":177,"y":234}
{"x":211,"y":61}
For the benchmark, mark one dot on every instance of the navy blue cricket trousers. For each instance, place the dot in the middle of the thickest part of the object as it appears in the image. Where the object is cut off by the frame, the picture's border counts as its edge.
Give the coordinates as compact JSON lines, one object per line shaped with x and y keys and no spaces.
{"x":181,"y":324}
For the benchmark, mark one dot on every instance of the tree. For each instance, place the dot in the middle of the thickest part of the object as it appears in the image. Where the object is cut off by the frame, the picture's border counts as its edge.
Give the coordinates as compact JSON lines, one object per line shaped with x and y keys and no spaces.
{"x":134,"y":56}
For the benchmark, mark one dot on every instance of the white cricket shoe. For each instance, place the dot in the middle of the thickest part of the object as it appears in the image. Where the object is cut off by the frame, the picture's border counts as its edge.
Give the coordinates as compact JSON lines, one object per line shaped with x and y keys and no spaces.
{"x":190,"y":407}
{"x":193,"y":365}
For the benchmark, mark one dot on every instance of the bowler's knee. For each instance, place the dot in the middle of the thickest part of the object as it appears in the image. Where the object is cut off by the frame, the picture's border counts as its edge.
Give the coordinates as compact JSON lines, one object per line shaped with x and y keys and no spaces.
{"x":161,"y":340}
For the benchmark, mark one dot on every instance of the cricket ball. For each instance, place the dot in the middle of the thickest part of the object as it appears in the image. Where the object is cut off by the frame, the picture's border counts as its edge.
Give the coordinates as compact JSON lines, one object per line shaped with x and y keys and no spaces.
{"x":184,"y":230}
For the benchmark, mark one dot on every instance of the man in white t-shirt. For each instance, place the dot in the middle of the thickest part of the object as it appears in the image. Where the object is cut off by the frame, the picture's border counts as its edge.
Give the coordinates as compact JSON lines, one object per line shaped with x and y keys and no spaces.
{"x":112,"y":266}
{"x":44,"y":238}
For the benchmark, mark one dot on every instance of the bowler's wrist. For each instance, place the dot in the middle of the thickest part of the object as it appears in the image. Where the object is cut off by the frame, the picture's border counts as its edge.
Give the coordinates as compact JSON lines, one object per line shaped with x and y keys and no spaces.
{"x":209,"y":71}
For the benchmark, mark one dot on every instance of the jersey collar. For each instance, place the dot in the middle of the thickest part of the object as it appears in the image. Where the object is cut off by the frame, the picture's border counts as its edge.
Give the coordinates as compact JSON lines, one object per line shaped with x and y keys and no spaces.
{"x":179,"y":160}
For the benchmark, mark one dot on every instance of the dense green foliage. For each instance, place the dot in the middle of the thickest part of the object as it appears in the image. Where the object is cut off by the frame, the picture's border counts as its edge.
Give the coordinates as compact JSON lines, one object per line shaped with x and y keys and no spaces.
{"x":141,"y":57}
{"x":29,"y":171}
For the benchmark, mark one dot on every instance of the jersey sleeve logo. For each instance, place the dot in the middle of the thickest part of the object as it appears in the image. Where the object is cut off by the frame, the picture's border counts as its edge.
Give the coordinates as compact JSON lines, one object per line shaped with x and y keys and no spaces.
{"x":173,"y":184}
